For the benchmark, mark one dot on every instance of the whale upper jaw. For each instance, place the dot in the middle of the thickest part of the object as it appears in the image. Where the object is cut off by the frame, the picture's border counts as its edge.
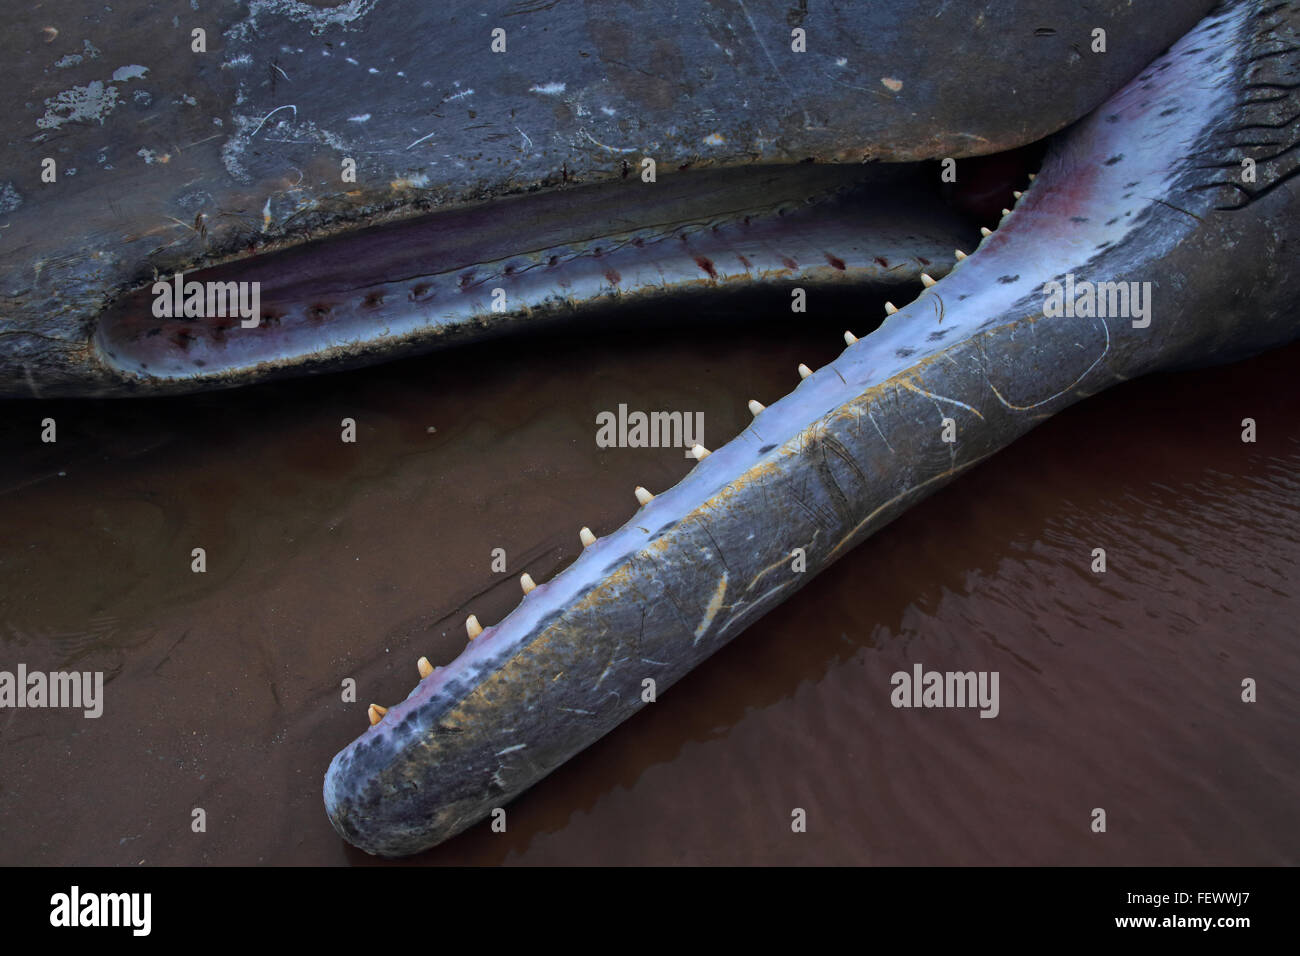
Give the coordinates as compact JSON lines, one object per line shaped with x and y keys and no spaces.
{"x":1134,"y":198}
{"x":251,"y":156}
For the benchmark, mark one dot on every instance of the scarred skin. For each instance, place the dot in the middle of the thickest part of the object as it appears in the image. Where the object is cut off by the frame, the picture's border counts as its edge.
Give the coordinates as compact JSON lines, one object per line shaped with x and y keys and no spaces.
{"x":1146,"y":190}
{"x":558,"y":126}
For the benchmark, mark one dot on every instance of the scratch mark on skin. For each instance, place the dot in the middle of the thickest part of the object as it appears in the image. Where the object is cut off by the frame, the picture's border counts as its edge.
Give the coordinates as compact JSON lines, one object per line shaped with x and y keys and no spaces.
{"x":780,"y":562}
{"x":287,"y":106}
{"x":612,"y":149}
{"x":721,"y":557}
{"x":715,"y":605}
{"x":510,"y":750}
{"x":951,"y":472}
{"x":528,"y":143}
{"x":879,"y":432}
{"x":807,"y":120}
{"x":1024,"y":408}
{"x":738,"y":613}
{"x":940,"y":398}
{"x":422,"y":139}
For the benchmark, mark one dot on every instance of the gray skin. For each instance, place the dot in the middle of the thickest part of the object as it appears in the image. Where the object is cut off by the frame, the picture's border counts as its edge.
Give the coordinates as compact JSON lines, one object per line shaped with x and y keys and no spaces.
{"x":172,"y":160}
{"x":1148,"y":189}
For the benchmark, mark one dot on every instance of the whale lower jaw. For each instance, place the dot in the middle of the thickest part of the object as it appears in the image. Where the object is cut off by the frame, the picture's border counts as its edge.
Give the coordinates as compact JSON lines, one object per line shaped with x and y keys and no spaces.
{"x":1170,"y":262}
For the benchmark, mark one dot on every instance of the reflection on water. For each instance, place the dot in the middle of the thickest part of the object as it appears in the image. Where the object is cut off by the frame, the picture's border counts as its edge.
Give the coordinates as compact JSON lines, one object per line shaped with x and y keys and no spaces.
{"x":328,"y":560}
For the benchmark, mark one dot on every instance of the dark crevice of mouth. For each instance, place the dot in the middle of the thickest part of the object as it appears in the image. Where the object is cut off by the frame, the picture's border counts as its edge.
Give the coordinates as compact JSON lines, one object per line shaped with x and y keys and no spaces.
{"x":534,"y":260}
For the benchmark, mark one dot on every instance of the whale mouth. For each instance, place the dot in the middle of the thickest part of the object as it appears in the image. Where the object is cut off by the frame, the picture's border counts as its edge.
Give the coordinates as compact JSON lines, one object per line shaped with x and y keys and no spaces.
{"x":1130,"y":210}
{"x":676,"y":243}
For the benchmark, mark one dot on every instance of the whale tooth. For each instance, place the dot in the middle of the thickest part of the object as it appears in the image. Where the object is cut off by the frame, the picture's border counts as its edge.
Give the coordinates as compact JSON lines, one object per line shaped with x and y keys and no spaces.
{"x":1006,"y":212}
{"x":755,"y":407}
{"x":643,"y":496}
{"x":960,"y":255}
{"x":586,"y":537}
{"x":1017,"y":193}
{"x":472,"y":627}
{"x":849,"y":338}
{"x":375,"y":713}
{"x":424,"y":667}
{"x":700,"y":452}
{"x":1033,"y":176}
{"x":526,"y":582}
{"x":985,"y":231}
{"x":804,"y":370}
{"x":926,"y":280}
{"x":890,"y":308}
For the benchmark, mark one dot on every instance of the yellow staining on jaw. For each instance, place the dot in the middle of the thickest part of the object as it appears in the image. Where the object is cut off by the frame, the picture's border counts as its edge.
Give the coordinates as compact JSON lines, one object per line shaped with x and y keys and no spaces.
{"x":715,"y":605}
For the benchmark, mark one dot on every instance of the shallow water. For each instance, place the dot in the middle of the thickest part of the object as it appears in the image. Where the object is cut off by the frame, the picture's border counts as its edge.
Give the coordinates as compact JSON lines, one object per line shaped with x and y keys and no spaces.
{"x":329,"y":560}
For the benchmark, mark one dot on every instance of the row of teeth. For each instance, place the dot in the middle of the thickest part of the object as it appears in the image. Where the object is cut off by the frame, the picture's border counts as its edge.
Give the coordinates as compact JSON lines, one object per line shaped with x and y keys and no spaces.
{"x":526,"y":583}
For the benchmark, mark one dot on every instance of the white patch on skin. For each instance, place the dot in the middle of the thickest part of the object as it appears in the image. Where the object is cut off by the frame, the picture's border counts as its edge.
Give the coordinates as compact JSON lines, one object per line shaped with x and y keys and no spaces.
{"x":714,"y":139}
{"x":549,"y":89}
{"x":891,"y":83}
{"x":842,"y":61}
{"x":364,"y":117}
{"x":132,"y":72}
{"x":94,"y":101}
{"x":608,"y":112}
